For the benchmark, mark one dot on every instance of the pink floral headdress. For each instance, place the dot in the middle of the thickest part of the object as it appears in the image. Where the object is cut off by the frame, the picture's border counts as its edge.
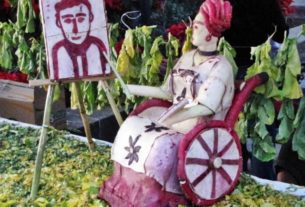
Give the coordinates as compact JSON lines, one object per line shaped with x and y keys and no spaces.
{"x":217,"y":16}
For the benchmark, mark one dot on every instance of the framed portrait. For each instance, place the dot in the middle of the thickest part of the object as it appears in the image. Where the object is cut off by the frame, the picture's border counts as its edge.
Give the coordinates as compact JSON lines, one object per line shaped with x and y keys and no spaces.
{"x":76,"y":37}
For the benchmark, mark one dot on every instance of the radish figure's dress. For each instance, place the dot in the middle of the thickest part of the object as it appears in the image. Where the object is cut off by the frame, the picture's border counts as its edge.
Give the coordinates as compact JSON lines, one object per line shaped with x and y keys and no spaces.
{"x":145,"y":152}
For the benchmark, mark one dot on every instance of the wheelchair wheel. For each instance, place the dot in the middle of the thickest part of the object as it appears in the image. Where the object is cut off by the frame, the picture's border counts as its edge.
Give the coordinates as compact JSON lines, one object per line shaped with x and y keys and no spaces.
{"x":210,"y":163}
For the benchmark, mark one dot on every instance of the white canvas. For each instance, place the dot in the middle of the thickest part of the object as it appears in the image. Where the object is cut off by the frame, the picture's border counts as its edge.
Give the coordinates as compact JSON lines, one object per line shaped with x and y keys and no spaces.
{"x":75,"y":35}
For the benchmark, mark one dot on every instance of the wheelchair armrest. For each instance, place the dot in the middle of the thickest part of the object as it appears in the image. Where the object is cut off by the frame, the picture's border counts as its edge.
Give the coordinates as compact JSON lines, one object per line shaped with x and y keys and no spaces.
{"x":154,"y":102}
{"x":264,"y":77}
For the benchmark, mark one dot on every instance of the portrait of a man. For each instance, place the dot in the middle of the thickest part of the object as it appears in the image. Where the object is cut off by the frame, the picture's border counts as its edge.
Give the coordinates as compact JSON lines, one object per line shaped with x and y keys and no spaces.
{"x":76,"y":38}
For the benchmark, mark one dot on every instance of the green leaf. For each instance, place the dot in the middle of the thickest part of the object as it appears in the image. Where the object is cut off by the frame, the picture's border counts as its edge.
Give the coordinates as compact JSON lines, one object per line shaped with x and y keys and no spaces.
{"x":153,"y":66}
{"x":261,"y":130}
{"x":291,"y":88}
{"x":254,"y":104}
{"x":294,"y":62}
{"x":6,"y":59}
{"x":280,"y":59}
{"x":30,"y":26}
{"x":147,"y":30}
{"x":229,"y":52}
{"x":282,"y":112}
{"x":10,"y":203}
{"x":143,"y":34}
{"x":73,"y":99}
{"x":286,"y":115}
{"x":57,"y":93}
{"x":114,"y":34}
{"x":298,"y":141}
{"x":252,"y":70}
{"x":289,"y":109}
{"x":288,"y":62}
{"x":89,"y":96}
{"x":241,"y":127}
{"x":300,"y":113}
{"x":175,"y":44}
{"x":285,"y":130}
{"x":264,"y":63}
{"x":128,"y":43}
{"x":21,"y":19}
{"x":266,"y":112}
{"x":156,"y":44}
{"x":123,"y":62}
{"x":93,"y":190}
{"x":264,"y":150}
{"x":41,"y":202}
{"x":187,"y":45}
{"x":172,"y":51}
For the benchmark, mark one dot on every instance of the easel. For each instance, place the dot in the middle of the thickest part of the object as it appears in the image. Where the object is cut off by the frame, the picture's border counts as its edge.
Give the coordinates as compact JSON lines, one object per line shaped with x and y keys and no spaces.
{"x":47,"y":112}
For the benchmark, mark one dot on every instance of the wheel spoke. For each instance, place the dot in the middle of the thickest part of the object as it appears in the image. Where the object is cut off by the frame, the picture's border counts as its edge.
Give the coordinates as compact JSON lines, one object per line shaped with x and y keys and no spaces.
{"x":230,"y":162}
{"x":196,"y":161}
{"x":225,"y":175}
{"x":204,"y":146}
{"x":213,"y":193}
{"x":225,"y":149}
{"x":200,"y":177}
{"x":215,"y":147}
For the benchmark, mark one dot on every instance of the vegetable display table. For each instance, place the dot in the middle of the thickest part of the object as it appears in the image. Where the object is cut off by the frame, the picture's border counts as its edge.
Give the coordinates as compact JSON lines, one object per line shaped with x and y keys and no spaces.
{"x":72,"y":175}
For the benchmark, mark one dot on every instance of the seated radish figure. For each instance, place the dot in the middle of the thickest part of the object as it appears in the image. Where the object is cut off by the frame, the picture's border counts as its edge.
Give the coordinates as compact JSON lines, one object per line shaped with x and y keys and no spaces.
{"x":200,"y":88}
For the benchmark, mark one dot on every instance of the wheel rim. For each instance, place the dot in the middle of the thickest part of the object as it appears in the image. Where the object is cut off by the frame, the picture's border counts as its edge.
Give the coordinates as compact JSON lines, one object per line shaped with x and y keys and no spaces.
{"x":214,"y":171}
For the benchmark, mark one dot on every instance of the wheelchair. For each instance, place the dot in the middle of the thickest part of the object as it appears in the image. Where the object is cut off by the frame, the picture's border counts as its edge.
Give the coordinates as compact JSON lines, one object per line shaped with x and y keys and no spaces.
{"x":209,"y":155}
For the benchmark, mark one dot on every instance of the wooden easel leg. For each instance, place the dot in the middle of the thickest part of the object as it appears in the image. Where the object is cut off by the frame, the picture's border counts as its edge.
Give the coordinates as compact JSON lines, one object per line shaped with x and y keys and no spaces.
{"x":84,"y":116}
{"x":114,"y":107}
{"x":42,"y":141}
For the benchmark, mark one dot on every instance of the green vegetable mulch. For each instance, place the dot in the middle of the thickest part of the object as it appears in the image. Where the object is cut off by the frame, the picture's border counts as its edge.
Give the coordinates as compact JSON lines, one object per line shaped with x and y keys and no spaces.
{"x":71,"y":175}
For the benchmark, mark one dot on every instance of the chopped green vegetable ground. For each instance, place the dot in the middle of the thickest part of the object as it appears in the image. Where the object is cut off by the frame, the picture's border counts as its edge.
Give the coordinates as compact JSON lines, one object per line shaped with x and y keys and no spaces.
{"x":71,"y":175}
{"x":249,"y":193}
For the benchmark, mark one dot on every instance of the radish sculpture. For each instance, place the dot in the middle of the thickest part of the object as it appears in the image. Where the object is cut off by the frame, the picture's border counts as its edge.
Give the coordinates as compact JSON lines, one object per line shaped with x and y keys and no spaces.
{"x":166,"y":153}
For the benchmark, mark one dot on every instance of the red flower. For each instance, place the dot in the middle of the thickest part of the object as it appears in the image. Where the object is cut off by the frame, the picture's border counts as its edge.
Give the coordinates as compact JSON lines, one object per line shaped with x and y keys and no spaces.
{"x":286,"y":7}
{"x":178,"y":30}
{"x":114,"y":4}
{"x":5,"y":5}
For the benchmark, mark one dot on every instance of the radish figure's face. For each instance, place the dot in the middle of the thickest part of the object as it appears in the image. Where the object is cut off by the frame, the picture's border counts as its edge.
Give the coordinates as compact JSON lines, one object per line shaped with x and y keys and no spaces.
{"x":199,"y":31}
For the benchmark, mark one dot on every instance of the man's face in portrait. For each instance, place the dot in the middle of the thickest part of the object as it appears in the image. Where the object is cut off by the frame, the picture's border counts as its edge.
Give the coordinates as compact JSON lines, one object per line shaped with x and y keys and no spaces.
{"x":75,"y":23}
